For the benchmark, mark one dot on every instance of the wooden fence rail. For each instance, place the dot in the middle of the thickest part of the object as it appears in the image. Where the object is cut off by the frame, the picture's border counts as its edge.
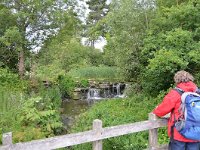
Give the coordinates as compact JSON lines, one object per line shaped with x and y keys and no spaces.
{"x":96,"y":135}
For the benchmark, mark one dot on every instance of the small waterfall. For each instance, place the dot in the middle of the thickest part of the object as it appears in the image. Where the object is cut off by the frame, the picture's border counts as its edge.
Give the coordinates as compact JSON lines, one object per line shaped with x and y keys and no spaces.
{"x":104,"y":91}
{"x":93,"y":93}
{"x":118,"y":91}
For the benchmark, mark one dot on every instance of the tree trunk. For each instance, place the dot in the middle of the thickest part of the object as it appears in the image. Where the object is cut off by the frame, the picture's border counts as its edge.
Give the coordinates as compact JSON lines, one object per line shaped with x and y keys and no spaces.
{"x":21,"y":64}
{"x":146,"y":19}
{"x":177,"y":3}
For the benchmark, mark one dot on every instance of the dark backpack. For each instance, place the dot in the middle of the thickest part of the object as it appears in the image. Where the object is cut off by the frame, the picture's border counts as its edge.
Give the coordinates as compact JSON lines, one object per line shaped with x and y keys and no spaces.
{"x":188,"y":123}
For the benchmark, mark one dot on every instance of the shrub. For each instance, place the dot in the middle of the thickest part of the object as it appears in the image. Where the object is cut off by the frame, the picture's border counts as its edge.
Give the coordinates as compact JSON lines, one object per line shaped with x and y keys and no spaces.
{"x":11,"y":81}
{"x":159,"y":73}
{"x":66,"y":85}
{"x":49,"y":72}
{"x":41,"y":115}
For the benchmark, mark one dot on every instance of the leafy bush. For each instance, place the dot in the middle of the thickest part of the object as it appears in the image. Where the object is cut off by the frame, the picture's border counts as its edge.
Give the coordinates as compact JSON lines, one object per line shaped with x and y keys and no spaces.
{"x":30,"y":118}
{"x":84,"y":83}
{"x":160,"y":71}
{"x":11,"y":81}
{"x":49,"y":72}
{"x":28,"y":134}
{"x":170,"y":45}
{"x":66,"y":85}
{"x":51,"y":94}
{"x":117,"y":112}
{"x":41,"y":115}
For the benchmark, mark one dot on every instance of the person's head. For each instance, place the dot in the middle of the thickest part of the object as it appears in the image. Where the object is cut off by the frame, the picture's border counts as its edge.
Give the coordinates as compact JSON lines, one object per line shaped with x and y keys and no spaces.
{"x":183,"y":76}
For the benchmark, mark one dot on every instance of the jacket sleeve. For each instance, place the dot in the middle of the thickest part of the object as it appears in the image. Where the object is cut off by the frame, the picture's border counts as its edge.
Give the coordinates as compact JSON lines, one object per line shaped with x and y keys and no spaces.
{"x":167,"y":105}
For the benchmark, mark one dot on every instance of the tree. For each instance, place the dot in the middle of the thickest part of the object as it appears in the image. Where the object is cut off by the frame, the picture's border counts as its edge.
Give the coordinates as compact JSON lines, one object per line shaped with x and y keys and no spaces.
{"x":35,"y":21}
{"x":8,"y":56}
{"x":64,"y":52}
{"x":169,"y":3}
{"x":172,"y":44}
{"x":11,"y":44}
{"x":98,"y":10}
{"x":127,"y":22}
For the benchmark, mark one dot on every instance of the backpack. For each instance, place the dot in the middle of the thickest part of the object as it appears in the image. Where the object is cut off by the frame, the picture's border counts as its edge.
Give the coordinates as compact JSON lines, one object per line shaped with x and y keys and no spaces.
{"x":188,"y":123}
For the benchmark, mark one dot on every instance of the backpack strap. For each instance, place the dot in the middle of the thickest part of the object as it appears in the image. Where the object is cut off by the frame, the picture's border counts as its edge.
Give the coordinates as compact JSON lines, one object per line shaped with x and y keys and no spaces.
{"x":179,"y":90}
{"x":197,"y":90}
{"x":182,"y":94}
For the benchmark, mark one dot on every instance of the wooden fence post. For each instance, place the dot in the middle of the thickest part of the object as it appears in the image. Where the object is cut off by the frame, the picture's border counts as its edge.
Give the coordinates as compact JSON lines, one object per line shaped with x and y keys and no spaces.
{"x":7,"y":138}
{"x":97,"y":127}
{"x":153,"y":133}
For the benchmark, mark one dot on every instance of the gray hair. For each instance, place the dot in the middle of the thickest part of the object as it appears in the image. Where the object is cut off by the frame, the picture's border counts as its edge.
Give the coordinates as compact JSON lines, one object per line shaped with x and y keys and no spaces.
{"x":183,"y":76}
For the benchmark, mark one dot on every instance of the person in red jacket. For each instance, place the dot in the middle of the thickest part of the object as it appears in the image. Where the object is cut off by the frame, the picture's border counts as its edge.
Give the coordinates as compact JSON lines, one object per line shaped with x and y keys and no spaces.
{"x":171,"y":104}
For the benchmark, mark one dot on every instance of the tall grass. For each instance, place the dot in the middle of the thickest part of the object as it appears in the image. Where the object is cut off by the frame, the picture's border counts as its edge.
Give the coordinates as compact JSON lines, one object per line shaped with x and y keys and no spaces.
{"x":11,"y":104}
{"x":98,"y":73}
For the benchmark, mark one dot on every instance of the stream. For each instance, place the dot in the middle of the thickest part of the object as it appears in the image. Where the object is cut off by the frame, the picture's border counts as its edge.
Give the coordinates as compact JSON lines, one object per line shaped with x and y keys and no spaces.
{"x":73,"y":108}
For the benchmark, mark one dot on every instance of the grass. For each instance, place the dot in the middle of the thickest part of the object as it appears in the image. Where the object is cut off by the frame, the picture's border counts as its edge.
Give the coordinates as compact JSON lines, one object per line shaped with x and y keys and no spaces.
{"x":11,"y":103}
{"x":96,"y":73}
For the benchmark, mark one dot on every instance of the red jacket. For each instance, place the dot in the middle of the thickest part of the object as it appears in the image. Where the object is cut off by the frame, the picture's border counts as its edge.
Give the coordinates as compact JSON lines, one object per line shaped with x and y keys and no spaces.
{"x":172,"y":101}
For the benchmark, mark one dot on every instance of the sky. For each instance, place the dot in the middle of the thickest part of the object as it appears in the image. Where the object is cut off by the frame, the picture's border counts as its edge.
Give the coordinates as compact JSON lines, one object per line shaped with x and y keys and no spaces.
{"x":99,"y":44}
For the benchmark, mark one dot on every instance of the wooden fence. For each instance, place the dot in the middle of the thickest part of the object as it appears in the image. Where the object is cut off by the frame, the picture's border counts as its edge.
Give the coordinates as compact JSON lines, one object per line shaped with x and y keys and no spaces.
{"x":96,"y":135}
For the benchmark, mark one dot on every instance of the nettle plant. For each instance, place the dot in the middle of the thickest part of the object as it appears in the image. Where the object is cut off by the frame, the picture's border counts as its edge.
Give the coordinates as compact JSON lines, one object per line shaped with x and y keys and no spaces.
{"x":42,"y":115}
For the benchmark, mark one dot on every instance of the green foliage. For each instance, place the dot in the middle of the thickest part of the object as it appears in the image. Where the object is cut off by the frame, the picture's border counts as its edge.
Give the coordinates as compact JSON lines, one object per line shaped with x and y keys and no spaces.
{"x":33,"y":30}
{"x":11,"y":81}
{"x":127,"y":22}
{"x":12,"y":35}
{"x":169,"y":3}
{"x":51,"y":95}
{"x":84,"y":83}
{"x":11,"y":104}
{"x":40,"y":114}
{"x":170,"y":45}
{"x":7,"y":19}
{"x":178,"y":40}
{"x":66,"y":85}
{"x":49,"y":72}
{"x":28,"y":118}
{"x":94,"y":22}
{"x":12,"y":96}
{"x":101,"y":72}
{"x":8,"y":53}
{"x":28,"y":134}
{"x":116,"y":112}
{"x":62,"y":57}
{"x":161,"y":69}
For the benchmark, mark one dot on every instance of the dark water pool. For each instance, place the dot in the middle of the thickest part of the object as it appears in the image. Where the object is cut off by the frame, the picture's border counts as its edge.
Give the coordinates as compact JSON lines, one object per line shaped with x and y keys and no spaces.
{"x":71,"y":109}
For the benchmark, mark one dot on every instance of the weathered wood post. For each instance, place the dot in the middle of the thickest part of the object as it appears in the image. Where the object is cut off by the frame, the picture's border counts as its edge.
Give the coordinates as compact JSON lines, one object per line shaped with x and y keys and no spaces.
{"x":153,"y":133}
{"x":7,"y":138}
{"x":97,"y":127}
